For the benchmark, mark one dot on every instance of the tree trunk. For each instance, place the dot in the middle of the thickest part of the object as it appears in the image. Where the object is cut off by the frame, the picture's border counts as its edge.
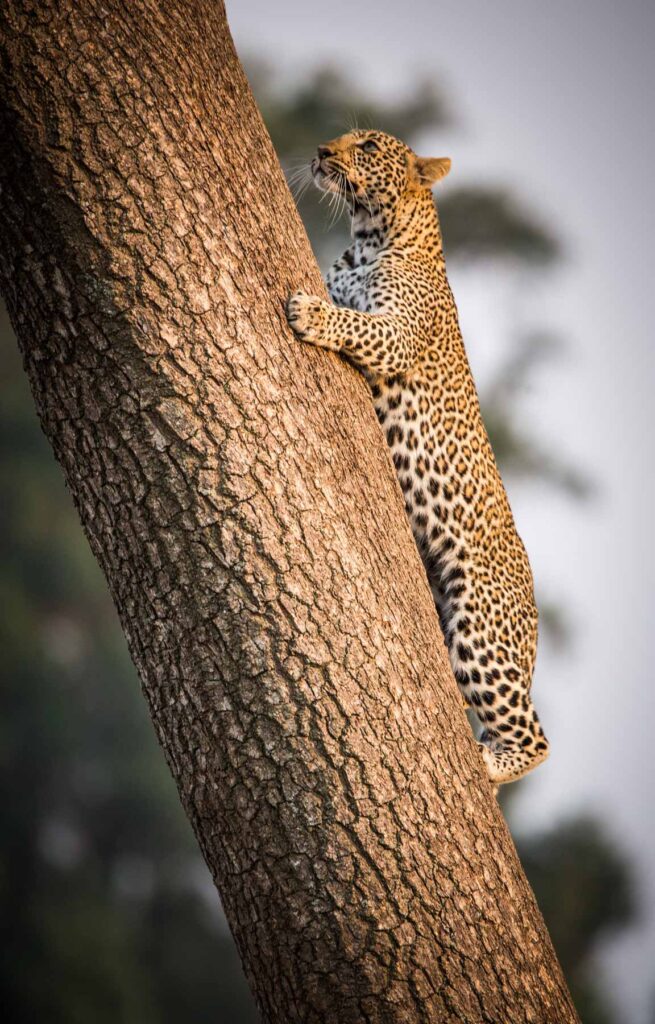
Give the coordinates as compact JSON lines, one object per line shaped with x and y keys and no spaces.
{"x":238,"y":495}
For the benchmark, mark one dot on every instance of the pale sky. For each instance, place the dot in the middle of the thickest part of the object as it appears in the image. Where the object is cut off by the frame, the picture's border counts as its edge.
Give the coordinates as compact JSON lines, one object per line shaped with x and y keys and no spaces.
{"x":553,"y":99}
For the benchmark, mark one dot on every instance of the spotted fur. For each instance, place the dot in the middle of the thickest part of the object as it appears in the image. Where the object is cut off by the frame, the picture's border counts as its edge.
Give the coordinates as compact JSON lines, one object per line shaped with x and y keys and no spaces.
{"x":395,"y":319}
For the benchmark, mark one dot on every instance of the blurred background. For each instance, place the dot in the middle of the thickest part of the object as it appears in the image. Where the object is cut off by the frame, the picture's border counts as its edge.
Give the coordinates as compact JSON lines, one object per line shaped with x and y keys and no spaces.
{"x":547,"y":217}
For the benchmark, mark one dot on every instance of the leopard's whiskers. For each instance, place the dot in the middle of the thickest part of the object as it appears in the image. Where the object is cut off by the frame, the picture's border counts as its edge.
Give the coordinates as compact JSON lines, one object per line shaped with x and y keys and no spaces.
{"x":299,"y":180}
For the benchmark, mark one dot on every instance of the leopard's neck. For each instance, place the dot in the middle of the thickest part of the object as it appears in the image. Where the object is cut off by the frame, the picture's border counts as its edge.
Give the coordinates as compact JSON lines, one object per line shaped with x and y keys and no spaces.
{"x":411,"y":223}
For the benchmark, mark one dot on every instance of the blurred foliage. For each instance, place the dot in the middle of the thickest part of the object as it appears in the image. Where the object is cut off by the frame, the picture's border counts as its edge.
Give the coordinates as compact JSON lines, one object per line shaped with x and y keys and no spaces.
{"x":478,"y":223}
{"x":106,"y":907}
{"x":584,"y":891}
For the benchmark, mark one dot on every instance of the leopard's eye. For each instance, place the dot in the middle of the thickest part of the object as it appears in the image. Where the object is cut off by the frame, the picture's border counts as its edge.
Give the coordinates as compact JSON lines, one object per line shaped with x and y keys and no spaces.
{"x":370,"y":147}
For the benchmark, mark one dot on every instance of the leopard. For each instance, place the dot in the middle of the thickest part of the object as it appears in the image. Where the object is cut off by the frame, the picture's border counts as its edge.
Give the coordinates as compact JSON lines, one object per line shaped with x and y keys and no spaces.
{"x":392,"y":315}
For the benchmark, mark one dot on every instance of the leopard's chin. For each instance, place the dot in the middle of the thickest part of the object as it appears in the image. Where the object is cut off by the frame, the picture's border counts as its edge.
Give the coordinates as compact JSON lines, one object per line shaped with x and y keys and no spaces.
{"x":335,"y":182}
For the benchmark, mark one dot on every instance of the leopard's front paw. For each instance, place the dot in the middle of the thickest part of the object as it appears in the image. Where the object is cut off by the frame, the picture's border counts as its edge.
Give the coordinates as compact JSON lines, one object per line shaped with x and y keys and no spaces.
{"x":307,"y":316}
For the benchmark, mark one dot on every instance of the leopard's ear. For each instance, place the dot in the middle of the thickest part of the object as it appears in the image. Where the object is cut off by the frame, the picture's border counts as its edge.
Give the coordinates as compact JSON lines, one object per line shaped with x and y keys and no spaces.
{"x":429,"y":170}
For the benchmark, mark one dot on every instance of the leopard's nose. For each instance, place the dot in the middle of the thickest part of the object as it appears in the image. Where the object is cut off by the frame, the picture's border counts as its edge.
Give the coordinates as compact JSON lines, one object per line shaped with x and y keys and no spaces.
{"x":324,"y":151}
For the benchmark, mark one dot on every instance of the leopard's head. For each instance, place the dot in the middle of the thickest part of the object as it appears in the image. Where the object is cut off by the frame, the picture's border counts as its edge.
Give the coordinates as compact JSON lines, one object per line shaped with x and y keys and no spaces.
{"x":371,"y":168}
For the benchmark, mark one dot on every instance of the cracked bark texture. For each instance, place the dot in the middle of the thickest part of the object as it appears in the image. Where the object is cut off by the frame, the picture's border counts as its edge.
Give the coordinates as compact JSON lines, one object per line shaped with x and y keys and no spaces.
{"x":238,"y":494}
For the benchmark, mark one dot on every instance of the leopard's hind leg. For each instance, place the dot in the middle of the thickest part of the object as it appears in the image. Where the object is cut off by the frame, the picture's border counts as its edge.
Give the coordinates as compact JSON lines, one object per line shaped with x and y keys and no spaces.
{"x":491,"y":664}
{"x":512,"y":741}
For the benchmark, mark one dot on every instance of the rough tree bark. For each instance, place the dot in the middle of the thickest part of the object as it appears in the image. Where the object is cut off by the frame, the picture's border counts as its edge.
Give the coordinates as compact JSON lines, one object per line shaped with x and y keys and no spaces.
{"x":237,"y":492}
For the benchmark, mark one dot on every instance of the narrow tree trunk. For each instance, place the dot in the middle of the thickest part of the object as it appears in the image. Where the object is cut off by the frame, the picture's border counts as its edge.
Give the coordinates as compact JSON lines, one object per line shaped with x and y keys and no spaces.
{"x":236,"y":490}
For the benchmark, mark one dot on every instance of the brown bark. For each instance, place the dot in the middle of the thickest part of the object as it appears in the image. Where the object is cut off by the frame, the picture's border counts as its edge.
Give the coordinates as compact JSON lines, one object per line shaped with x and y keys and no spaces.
{"x":239,"y":497}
